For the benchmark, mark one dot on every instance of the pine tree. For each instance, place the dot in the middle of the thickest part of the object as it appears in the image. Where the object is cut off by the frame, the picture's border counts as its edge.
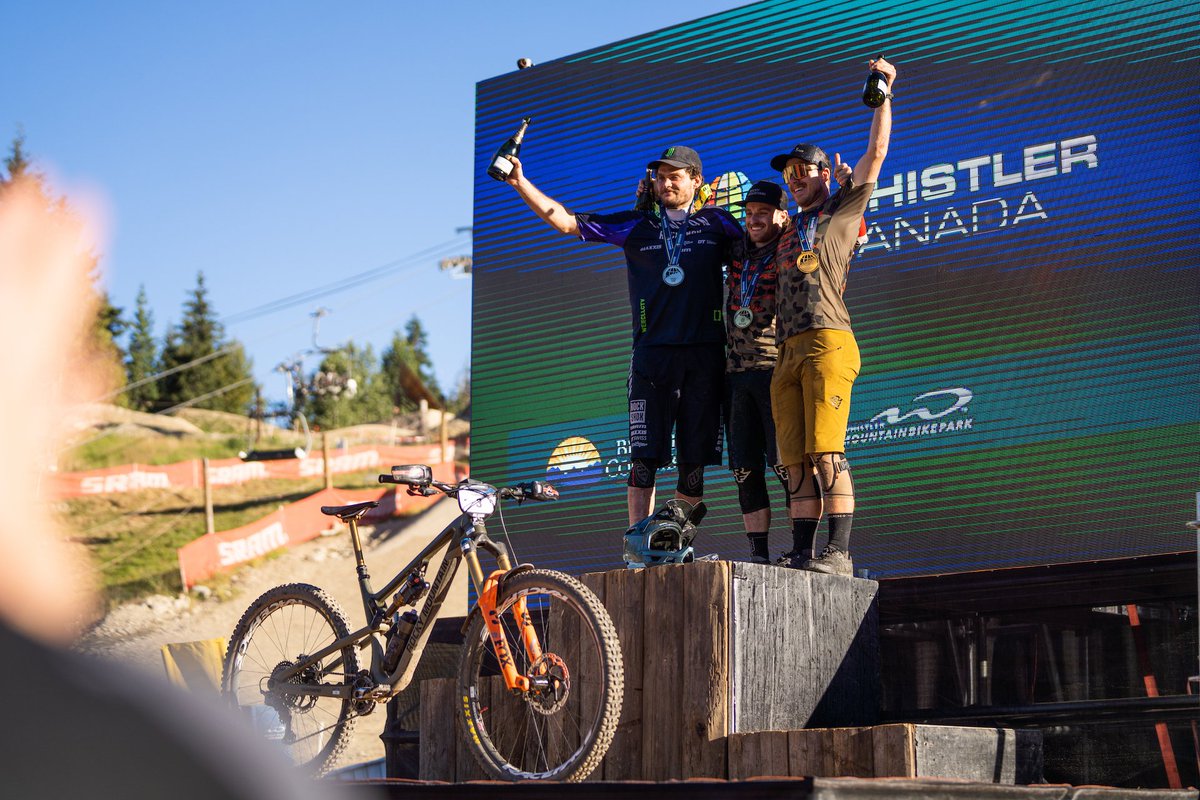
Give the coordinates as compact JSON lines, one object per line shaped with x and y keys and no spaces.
{"x":408,"y":351}
{"x":17,"y":163}
{"x":110,"y":324}
{"x":142,"y":358}
{"x":419,"y":342}
{"x":225,"y":382}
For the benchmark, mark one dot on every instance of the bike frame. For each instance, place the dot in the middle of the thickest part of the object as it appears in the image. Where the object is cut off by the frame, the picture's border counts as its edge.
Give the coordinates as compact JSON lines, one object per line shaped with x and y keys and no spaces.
{"x":471,"y":535}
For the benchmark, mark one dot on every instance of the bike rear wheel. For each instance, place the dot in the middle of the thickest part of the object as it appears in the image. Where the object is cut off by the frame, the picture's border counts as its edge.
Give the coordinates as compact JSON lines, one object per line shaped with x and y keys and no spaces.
{"x":561,"y":729}
{"x":281,"y":629}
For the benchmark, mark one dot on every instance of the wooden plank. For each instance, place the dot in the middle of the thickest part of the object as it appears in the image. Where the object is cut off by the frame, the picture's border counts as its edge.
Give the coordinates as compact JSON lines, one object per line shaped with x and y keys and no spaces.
{"x":624,"y":597}
{"x":560,"y":638}
{"x":804,"y":650}
{"x":986,"y":755}
{"x":508,"y":723}
{"x":662,"y":666}
{"x":705,"y":676}
{"x":894,"y":756}
{"x":806,"y":751}
{"x":770,"y":635}
{"x":438,"y":729}
{"x":466,"y":766}
{"x":759,"y":754}
{"x":852,"y":751}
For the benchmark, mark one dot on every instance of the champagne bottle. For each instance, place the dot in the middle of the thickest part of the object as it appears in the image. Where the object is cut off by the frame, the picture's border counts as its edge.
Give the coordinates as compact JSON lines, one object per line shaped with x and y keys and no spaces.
{"x":501,"y":167}
{"x":646,"y":200}
{"x":875,"y":90}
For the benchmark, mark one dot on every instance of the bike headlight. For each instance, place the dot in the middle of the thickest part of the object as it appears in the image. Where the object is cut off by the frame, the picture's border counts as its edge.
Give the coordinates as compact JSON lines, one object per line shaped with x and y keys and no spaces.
{"x":477,"y":499}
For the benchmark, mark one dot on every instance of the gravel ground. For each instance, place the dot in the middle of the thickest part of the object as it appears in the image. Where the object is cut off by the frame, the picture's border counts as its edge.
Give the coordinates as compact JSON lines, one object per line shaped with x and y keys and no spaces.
{"x":135,"y":633}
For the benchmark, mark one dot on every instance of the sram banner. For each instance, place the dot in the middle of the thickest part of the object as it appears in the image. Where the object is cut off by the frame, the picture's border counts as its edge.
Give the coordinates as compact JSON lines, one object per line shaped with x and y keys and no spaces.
{"x":231,"y":471}
{"x":290,"y":525}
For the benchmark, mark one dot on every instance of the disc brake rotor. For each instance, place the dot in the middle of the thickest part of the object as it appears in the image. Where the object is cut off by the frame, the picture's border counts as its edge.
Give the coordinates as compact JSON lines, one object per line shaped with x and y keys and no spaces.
{"x":550,"y":684}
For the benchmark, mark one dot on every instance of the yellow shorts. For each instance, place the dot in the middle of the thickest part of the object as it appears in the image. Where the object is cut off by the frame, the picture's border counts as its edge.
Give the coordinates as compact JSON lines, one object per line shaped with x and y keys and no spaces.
{"x":810,"y":393}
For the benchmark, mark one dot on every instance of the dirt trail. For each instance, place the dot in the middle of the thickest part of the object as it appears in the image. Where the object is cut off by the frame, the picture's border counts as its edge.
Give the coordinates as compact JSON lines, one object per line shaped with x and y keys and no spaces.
{"x":135,"y":633}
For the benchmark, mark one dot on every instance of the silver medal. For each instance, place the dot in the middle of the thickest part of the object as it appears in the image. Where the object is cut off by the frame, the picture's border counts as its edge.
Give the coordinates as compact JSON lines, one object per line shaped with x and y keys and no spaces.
{"x":743,"y":318}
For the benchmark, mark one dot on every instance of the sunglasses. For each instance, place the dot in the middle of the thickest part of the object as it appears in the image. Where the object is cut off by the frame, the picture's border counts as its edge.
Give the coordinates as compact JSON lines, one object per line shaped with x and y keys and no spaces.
{"x":800,"y":170}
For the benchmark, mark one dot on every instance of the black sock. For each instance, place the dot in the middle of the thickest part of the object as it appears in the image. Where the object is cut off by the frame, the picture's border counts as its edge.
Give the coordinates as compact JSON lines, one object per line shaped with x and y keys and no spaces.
{"x":839,"y":531}
{"x":758,"y":544}
{"x":804,"y":530}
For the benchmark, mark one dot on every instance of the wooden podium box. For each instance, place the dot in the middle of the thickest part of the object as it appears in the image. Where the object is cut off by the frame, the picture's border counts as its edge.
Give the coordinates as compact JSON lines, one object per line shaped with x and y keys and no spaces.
{"x":713,"y":648}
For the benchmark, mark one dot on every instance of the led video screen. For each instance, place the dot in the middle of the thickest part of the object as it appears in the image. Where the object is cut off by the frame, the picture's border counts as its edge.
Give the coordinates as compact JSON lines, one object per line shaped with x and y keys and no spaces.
{"x":1026,"y":303}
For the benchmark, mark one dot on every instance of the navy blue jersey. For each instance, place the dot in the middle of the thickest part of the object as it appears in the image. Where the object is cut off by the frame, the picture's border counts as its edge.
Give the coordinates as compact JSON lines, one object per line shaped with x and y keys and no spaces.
{"x":671,"y":307}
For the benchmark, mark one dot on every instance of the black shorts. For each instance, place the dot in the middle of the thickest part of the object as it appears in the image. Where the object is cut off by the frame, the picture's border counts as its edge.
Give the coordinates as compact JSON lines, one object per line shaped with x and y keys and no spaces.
{"x":749,"y":428}
{"x":676,"y":388}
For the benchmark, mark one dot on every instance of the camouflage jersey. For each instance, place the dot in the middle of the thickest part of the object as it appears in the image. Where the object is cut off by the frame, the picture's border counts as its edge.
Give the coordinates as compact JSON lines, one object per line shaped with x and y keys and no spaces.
{"x":814,"y":299}
{"x":752,"y":347}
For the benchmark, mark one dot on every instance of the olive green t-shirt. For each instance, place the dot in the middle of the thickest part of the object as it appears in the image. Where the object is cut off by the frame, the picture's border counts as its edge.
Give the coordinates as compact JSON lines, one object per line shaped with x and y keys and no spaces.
{"x":814,"y":299}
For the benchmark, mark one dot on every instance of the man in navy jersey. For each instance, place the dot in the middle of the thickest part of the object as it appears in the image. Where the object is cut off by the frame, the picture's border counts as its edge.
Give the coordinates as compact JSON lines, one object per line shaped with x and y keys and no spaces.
{"x":674,"y":258}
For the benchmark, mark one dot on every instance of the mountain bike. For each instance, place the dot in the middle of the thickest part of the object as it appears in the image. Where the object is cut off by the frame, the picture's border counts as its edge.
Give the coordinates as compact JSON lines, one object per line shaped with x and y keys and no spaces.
{"x":540,"y":680}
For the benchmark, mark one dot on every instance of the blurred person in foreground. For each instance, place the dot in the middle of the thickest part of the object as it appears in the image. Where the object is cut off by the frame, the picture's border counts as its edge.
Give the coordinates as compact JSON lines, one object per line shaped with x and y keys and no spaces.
{"x":78,"y":726}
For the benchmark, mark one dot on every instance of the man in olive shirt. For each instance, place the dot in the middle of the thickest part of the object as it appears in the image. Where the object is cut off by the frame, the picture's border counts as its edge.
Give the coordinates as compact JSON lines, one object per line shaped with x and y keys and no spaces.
{"x":818,"y":354}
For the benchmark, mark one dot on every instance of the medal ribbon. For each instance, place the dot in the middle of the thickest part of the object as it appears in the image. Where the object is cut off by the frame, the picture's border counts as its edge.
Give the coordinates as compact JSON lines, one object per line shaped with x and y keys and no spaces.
{"x":811,"y":225}
{"x":750,"y":266}
{"x":673,"y":244}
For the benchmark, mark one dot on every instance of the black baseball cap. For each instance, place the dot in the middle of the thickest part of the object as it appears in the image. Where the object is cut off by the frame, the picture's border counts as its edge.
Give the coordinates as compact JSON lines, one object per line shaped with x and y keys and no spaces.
{"x":767,"y":192}
{"x":805,"y":152}
{"x":679,"y":157}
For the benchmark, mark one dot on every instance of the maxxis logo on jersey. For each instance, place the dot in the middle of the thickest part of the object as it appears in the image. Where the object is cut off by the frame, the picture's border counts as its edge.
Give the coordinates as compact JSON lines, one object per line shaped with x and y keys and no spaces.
{"x":941,"y":411}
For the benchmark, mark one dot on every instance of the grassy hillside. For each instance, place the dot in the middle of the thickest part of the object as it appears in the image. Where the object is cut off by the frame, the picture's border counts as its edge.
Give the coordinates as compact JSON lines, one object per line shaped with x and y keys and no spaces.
{"x":132,"y":538}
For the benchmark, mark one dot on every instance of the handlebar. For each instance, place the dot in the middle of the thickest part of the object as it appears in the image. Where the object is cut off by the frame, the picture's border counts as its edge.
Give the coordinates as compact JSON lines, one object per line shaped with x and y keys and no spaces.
{"x":419,"y":480}
{"x":533,"y":490}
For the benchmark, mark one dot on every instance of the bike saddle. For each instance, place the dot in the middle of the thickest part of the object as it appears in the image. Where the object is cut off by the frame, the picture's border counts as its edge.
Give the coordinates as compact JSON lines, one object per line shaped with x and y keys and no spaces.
{"x":352,"y":511}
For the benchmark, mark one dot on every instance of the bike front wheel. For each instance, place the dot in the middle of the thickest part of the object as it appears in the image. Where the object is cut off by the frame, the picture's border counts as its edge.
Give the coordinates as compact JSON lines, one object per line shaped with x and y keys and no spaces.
{"x":280,"y":630}
{"x":561,"y":728}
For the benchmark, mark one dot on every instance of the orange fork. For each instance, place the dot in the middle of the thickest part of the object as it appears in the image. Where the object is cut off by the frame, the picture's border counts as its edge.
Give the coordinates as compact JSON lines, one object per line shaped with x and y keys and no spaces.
{"x":529,"y":638}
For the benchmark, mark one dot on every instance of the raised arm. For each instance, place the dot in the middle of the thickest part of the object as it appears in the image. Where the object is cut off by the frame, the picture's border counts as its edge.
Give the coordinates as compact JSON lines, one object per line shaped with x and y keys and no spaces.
{"x":868,"y":167}
{"x":553,"y":212}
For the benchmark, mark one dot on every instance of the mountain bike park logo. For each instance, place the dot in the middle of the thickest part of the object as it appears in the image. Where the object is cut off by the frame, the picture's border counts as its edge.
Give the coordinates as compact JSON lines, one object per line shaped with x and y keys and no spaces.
{"x":575,"y":462}
{"x":935,"y":413}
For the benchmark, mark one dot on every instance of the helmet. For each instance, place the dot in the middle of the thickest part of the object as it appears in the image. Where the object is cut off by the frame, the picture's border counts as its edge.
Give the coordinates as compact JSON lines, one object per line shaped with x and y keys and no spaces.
{"x":665,"y":537}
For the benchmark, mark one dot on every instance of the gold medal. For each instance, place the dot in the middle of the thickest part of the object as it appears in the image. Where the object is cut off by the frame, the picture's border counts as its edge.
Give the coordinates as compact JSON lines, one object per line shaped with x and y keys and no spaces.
{"x":807,"y":261}
{"x":743,"y":318}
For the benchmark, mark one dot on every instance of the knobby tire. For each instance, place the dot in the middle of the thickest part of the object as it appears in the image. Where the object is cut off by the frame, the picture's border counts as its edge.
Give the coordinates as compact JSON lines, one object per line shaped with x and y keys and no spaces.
{"x":281,"y":627}
{"x":557,"y":735}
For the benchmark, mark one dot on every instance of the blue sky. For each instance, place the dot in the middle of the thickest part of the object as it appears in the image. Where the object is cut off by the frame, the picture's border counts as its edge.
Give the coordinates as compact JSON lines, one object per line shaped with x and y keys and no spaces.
{"x":282,"y":148}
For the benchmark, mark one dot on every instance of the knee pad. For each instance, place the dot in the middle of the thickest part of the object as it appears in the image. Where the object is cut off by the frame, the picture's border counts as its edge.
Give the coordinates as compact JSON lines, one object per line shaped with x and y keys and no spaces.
{"x":641,"y":473}
{"x":833,"y":472}
{"x":781,"y":472}
{"x":801,"y":484}
{"x":752,"y":489}
{"x":691,"y":480}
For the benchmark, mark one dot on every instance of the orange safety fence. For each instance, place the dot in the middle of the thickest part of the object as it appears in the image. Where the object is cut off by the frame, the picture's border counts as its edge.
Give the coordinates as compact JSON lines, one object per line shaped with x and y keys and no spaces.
{"x":292,"y":524}
{"x":230,"y":471}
